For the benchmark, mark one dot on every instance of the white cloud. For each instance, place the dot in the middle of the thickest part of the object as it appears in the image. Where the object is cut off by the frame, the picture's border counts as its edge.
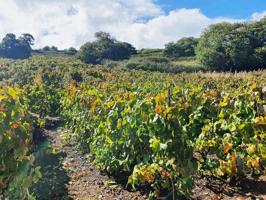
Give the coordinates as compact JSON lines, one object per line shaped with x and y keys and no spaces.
{"x":258,"y":15}
{"x":66,"y":23}
{"x":165,"y":28}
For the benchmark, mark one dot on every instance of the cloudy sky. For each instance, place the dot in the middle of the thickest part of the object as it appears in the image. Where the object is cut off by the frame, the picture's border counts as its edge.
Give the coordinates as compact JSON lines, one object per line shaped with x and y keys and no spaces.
{"x":144,"y":23}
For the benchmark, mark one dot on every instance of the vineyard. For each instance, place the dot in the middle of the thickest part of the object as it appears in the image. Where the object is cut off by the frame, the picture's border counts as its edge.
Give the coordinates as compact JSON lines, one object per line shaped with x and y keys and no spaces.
{"x":159,"y":131}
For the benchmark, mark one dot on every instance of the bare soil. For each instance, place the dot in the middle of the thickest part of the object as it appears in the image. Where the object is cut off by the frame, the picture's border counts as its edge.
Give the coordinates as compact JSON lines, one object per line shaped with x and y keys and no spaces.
{"x":70,"y":174}
{"x":209,"y":188}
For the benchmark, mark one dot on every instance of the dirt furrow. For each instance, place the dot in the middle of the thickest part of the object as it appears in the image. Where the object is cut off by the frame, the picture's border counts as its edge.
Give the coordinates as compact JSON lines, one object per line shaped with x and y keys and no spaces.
{"x":70,"y":174}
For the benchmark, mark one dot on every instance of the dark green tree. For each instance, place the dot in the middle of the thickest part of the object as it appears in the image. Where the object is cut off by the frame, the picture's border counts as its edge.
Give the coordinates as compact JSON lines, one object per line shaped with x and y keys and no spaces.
{"x":233,"y":47}
{"x":105,"y":48}
{"x":14,"y":48}
{"x":210,"y":50}
{"x":46,"y":48}
{"x":103,"y":36}
{"x":53,"y":48}
{"x":27,"y":38}
{"x":71,"y":51}
{"x":182,"y":48}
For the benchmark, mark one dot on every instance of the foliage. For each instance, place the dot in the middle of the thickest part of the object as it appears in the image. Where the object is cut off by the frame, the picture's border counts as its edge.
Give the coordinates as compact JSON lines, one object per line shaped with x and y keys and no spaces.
{"x":16,"y":176}
{"x":169,"y":128}
{"x":233,"y":47}
{"x":150,"y":53}
{"x":156,"y":129}
{"x":71,"y":51}
{"x":52,"y":48}
{"x":162,"y":64}
{"x":20,"y":48}
{"x":44,"y":100}
{"x":184,"y":47}
{"x":105,"y":48}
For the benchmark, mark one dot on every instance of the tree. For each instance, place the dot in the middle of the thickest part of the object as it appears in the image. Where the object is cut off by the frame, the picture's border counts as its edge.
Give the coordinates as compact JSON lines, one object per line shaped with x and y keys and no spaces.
{"x":20,"y":48}
{"x":182,"y":48}
{"x":239,"y":51}
{"x":46,"y":48}
{"x":105,"y":48}
{"x":103,"y":36}
{"x":27,"y":38}
{"x":8,"y":45}
{"x":210,"y":49}
{"x":171,"y":50}
{"x":53,"y":48}
{"x":233,"y":47}
{"x":88,"y":53}
{"x":258,"y":34}
{"x":121,"y":51}
{"x":71,"y":51}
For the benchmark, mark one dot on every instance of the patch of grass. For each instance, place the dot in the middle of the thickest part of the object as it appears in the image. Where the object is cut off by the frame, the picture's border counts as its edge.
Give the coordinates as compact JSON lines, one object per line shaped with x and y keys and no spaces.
{"x":187,"y":62}
{"x":158,"y":63}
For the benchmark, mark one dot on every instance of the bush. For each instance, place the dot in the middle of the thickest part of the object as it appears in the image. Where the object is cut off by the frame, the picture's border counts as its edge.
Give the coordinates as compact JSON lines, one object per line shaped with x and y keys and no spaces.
{"x":182,"y":48}
{"x":71,"y":51}
{"x":105,"y":48}
{"x":160,"y":64}
{"x":163,"y":64}
{"x":233,"y":47}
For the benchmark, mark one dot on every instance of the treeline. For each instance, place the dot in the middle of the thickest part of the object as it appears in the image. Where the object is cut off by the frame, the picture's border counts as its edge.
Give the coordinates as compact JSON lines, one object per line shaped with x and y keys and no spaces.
{"x":223,"y":46}
{"x":105,"y":48}
{"x":226,"y":46}
{"x":20,"y":48}
{"x":53,"y":50}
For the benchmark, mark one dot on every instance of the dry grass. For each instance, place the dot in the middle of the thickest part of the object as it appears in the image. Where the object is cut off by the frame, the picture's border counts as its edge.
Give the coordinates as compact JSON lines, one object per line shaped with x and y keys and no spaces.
{"x":244,"y":74}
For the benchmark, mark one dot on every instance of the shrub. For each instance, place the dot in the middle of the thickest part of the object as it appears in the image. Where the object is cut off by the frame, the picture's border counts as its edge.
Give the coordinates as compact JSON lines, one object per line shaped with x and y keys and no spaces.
{"x":233,"y":47}
{"x":105,"y":48}
{"x":182,"y":48}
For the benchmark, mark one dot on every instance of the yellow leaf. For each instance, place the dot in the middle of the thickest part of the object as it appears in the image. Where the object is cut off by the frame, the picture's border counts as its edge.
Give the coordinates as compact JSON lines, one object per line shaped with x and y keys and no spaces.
{"x":253,"y":86}
{"x":2,"y":97}
{"x":13,"y":93}
{"x":160,"y":98}
{"x":108,"y":140}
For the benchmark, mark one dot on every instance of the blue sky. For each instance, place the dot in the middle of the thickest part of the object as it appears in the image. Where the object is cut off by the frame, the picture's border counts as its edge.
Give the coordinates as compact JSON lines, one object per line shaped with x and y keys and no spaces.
{"x":143,"y":23}
{"x":215,"y":8}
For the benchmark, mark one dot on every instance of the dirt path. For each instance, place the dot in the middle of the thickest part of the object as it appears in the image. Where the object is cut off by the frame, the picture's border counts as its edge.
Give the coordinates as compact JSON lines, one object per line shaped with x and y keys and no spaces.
{"x":211,"y":189}
{"x":69,"y":174}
